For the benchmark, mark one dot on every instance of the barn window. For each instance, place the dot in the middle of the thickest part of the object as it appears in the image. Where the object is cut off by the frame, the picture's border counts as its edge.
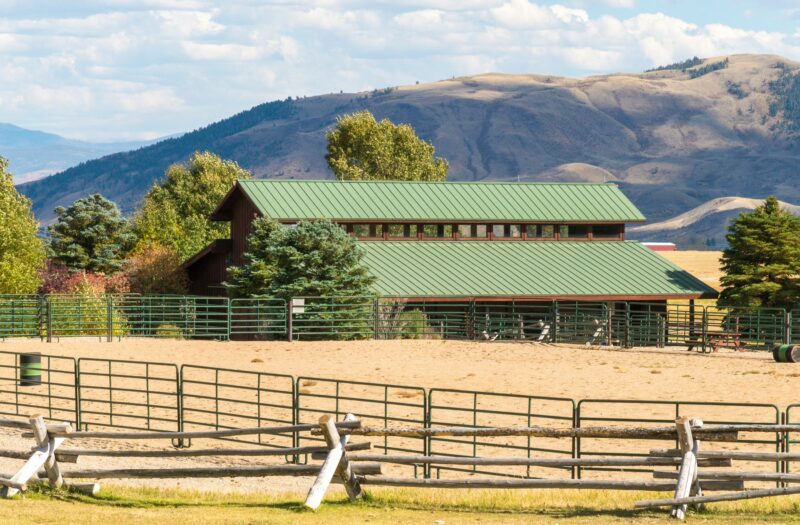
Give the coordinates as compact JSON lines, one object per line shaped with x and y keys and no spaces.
{"x":506,"y":231}
{"x":402,"y":230}
{"x":574,"y":231}
{"x":606,"y":231}
{"x":361,"y":230}
{"x":437,"y":231}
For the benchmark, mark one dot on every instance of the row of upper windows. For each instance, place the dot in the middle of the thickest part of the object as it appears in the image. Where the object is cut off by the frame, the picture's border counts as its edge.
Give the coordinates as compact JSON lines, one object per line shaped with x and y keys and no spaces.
{"x":486,"y":231}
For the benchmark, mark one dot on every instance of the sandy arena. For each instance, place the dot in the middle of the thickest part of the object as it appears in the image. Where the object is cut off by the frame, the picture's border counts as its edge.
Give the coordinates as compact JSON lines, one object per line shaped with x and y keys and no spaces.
{"x":574,"y":372}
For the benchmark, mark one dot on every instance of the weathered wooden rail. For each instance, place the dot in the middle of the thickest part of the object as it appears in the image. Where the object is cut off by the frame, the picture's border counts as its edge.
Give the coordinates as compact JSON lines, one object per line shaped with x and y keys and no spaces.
{"x":347,"y":463}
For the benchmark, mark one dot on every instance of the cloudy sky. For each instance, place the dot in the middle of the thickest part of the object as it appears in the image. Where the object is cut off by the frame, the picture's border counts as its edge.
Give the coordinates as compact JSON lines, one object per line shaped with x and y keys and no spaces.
{"x":108,"y":70}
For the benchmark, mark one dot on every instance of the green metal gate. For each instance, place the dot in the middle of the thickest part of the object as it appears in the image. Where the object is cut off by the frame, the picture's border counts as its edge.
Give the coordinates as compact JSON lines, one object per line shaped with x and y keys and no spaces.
{"x":79,"y":316}
{"x":376,"y":404}
{"x":55,"y":397}
{"x":449,"y":407}
{"x":338,"y":318}
{"x":22,"y":316}
{"x":219,"y":398}
{"x":175,"y":316}
{"x":408,"y":318}
{"x":258,"y":318}
{"x":580,"y":323}
{"x":128,"y":394}
{"x":758,"y":328}
{"x":616,"y":412}
{"x":514,"y":320}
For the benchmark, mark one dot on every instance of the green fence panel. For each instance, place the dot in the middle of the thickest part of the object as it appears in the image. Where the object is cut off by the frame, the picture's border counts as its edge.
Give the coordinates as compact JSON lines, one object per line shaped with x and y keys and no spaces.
{"x":376,"y":404}
{"x":580,"y":322}
{"x":616,"y":412}
{"x":758,"y":328}
{"x":449,"y":407}
{"x":173,"y":316}
{"x":258,"y":318}
{"x":219,"y":398}
{"x":513,"y":321}
{"x":78,"y":316}
{"x":54,"y":397}
{"x":685,"y":325}
{"x":339,"y":318}
{"x":407,"y":318}
{"x":21,"y":316}
{"x":129,"y":394}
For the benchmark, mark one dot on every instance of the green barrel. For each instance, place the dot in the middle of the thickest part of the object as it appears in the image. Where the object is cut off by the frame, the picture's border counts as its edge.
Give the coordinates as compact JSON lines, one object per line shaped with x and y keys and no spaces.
{"x":786,"y":353}
{"x":30,"y":369}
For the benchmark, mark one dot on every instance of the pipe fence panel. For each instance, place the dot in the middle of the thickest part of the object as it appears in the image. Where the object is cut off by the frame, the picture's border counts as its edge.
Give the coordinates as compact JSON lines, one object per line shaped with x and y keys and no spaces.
{"x":47,"y":388}
{"x":259,"y":318}
{"x":758,"y":328}
{"x":338,"y":318}
{"x":601,"y":412}
{"x":685,"y":325}
{"x":175,"y":316}
{"x":376,"y":404}
{"x":79,"y":316}
{"x":448,"y":407}
{"x":400,"y":318}
{"x":22,"y":316}
{"x":218,"y":399}
{"x":643,"y":324}
{"x":128,"y":394}
{"x":580,"y":322}
{"x":518,"y":321}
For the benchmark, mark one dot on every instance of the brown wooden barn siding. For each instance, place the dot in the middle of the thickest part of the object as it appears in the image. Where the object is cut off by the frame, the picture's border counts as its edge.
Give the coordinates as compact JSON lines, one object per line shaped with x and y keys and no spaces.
{"x":207,"y":275}
{"x":242,"y":216}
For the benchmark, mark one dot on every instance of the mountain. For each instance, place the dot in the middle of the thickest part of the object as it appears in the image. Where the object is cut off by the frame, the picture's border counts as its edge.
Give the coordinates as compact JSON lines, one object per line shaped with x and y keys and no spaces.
{"x":36,"y":154}
{"x":702,"y":227}
{"x":671,"y":139}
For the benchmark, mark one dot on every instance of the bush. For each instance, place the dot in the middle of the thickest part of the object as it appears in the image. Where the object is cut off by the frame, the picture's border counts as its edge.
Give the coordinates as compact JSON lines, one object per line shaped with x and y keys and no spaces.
{"x":413,"y":324}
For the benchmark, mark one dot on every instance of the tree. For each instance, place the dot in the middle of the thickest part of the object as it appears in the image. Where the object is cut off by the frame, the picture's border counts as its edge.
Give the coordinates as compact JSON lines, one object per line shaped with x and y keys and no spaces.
{"x":91,"y":234}
{"x":360,"y":148}
{"x":762,"y":261}
{"x":21,"y":250}
{"x":175,"y":213}
{"x":155,"y":269}
{"x":313,"y":259}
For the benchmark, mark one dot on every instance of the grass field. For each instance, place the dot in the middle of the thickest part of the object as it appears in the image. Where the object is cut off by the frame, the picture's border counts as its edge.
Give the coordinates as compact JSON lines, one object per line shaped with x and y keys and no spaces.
{"x":396,"y":507}
{"x":703,"y":265}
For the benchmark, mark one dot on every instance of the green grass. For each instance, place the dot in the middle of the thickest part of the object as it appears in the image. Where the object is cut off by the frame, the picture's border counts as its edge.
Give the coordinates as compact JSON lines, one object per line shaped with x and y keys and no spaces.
{"x":127,"y":506}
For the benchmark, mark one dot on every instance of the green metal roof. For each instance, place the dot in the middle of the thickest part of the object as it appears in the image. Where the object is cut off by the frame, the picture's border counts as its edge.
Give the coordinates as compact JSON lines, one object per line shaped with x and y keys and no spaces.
{"x":440,"y":201}
{"x":547,"y":269}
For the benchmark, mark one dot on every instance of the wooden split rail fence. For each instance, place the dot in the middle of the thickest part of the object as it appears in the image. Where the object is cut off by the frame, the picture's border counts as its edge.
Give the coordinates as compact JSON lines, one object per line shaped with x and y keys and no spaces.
{"x":346,"y":463}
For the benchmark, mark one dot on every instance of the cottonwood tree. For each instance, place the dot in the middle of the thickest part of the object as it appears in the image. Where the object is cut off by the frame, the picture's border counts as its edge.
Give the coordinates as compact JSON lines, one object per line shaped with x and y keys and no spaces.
{"x":175,"y":212}
{"x":762,"y":261}
{"x":361,"y":148}
{"x":313,"y":259}
{"x":22,"y":252}
{"x":91,"y":235}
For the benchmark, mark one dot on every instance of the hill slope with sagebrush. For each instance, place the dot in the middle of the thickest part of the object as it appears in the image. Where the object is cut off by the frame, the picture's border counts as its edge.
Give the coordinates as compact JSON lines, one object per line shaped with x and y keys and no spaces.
{"x":672,"y":139}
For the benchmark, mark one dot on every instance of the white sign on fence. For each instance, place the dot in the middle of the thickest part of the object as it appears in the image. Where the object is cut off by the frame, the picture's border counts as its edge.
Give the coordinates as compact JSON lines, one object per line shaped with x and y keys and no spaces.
{"x":298,"y":306}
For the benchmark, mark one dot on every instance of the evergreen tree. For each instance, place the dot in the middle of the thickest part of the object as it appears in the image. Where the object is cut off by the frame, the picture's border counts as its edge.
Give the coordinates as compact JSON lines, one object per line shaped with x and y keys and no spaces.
{"x":361,"y":148}
{"x":762,"y":261}
{"x":21,"y":250}
{"x":313,"y":259}
{"x":175,"y":213}
{"x":91,"y":234}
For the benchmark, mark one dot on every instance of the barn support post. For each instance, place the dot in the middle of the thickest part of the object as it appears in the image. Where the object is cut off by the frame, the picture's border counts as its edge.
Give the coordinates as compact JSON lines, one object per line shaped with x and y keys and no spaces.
{"x":627,"y":327}
{"x":555,"y":321}
{"x":611,"y":308}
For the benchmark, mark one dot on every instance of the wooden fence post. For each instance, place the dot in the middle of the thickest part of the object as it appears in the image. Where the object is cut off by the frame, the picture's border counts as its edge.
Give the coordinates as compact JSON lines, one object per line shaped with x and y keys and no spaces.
{"x":42,"y":456}
{"x":687,"y":475}
{"x":335,"y":464}
{"x":44,"y":440}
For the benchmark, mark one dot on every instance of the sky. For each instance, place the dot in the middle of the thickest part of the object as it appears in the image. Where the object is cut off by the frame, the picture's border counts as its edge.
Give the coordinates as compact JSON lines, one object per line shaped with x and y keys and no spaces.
{"x":108,"y":70}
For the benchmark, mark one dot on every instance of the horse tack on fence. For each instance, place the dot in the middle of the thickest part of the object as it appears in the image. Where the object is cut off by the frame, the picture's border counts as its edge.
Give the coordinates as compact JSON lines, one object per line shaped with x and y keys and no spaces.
{"x":222,"y":398}
{"x":128,"y":394}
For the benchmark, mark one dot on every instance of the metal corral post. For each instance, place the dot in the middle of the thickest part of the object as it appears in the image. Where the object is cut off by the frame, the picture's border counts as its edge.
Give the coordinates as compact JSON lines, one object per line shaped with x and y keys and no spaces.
{"x":289,"y":323}
{"x":787,"y":328}
{"x":555,"y":321}
{"x":109,"y":319}
{"x":375,"y":318}
{"x":627,"y":329}
{"x":611,"y":308}
{"x":49,"y":314}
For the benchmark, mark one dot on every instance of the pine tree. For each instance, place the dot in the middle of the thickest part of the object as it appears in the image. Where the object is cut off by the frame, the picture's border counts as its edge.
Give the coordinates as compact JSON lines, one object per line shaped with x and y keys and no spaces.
{"x":91,"y":234}
{"x":21,"y":250}
{"x":762,"y":261}
{"x":313,"y":259}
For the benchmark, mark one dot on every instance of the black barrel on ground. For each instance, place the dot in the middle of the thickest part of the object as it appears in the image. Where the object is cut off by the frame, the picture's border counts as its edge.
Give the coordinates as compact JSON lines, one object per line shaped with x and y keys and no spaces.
{"x":30,"y":369}
{"x":786,"y":353}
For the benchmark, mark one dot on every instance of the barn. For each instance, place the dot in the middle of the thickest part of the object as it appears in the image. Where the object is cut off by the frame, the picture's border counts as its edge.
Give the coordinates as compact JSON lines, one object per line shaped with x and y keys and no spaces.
{"x":472,"y":243}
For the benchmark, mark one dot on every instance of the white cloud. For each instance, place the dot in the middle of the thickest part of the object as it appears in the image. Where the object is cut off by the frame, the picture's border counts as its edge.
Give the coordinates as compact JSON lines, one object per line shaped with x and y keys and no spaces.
{"x":109,"y":69}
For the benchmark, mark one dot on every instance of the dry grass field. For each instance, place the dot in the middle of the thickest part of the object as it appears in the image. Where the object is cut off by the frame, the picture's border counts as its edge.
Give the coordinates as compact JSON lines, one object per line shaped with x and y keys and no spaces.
{"x":702,"y":264}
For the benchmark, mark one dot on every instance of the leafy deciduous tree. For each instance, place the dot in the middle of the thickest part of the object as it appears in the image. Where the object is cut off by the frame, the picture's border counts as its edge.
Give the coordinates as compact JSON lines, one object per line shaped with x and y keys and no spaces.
{"x":312,"y":259}
{"x":22,"y":252}
{"x":361,"y":148}
{"x":155,"y":269}
{"x":762,"y":261}
{"x":175,"y":213}
{"x":91,"y":234}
